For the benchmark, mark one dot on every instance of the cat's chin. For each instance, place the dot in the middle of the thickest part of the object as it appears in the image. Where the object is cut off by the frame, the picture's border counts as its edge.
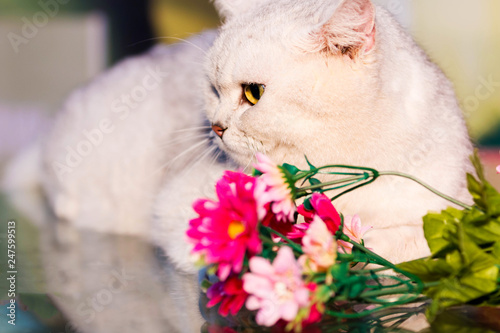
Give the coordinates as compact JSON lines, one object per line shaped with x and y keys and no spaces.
{"x":241,"y":157}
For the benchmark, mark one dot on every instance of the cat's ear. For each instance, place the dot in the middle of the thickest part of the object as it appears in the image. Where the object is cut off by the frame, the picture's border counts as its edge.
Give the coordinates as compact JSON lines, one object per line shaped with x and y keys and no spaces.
{"x":229,"y":8}
{"x":350,"y":30}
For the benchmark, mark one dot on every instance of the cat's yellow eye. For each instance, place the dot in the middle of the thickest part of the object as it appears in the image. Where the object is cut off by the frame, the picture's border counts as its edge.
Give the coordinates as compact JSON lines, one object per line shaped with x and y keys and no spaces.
{"x":253,"y":92}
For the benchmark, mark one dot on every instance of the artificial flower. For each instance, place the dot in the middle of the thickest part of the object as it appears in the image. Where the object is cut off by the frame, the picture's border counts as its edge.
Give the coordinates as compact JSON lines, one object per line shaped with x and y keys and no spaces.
{"x":313,"y":314}
{"x":319,"y":246}
{"x":230,"y":294}
{"x":353,"y":230}
{"x":322,"y":207}
{"x":279,"y":192}
{"x":286,"y":229}
{"x":226,"y":230}
{"x":276,"y":290}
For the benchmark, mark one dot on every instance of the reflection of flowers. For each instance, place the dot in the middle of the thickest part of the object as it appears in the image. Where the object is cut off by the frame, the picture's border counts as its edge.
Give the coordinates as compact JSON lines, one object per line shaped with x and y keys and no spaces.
{"x":276,"y":290}
{"x":229,"y":294}
{"x":319,"y":246}
{"x":278,"y":192}
{"x":218,"y":329}
{"x":227,"y":229}
{"x":354,"y":230}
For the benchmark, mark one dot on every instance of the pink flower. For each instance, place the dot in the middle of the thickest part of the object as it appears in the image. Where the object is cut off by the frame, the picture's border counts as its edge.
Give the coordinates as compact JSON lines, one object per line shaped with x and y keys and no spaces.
{"x":276,"y":289}
{"x":229,"y":293}
{"x":354,"y":230}
{"x":226,"y":230}
{"x":322,"y":207}
{"x":498,"y":169}
{"x":319,"y":246}
{"x":278,"y":191}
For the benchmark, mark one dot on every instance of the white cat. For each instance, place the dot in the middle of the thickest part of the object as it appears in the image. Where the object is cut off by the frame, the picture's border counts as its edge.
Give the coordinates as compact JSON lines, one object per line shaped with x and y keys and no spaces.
{"x":340,"y":82}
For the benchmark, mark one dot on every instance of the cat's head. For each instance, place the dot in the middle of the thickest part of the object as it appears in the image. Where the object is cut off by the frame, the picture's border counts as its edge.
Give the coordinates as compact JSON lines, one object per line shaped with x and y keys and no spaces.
{"x":293,"y":78}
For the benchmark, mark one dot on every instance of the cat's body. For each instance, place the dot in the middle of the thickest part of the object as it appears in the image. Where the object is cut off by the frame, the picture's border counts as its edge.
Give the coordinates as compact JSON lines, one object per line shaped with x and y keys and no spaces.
{"x":119,"y":138}
{"x":343,"y":84}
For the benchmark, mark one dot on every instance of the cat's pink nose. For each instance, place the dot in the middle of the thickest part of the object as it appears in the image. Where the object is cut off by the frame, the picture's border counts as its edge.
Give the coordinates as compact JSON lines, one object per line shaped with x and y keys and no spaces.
{"x":218,"y":130}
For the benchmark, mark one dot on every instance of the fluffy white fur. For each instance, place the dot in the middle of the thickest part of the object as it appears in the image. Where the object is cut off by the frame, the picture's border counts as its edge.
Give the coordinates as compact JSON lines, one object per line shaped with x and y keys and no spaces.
{"x":344,"y":84}
{"x":113,"y":187}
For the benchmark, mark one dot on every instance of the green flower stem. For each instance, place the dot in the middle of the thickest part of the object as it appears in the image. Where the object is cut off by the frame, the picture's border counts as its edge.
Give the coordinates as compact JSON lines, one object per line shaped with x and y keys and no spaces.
{"x":379,"y":260}
{"x":394,"y":291}
{"x":430,"y":188}
{"x":294,"y":246}
{"x":369,"y":271}
{"x":384,"y":262}
{"x":333,"y":182}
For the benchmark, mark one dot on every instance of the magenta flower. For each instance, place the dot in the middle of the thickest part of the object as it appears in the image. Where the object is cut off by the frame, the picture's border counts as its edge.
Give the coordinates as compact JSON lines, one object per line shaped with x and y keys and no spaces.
{"x":322,"y":207}
{"x":278,"y":191}
{"x":229,"y":293}
{"x":226,"y":230}
{"x":354,"y":230}
{"x":319,"y":246}
{"x":276,"y":290}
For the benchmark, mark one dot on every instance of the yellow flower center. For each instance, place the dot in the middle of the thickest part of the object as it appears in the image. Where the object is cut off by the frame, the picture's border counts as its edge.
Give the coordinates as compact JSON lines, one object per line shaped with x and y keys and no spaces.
{"x":235,"y":229}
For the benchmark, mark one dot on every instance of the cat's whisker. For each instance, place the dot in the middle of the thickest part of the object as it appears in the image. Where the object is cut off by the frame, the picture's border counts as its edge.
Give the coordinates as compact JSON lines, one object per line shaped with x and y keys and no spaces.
{"x":191,"y":129}
{"x":214,"y":159}
{"x":167,"y":165}
{"x":200,"y":158}
{"x":183,"y":139}
{"x":249,"y":162}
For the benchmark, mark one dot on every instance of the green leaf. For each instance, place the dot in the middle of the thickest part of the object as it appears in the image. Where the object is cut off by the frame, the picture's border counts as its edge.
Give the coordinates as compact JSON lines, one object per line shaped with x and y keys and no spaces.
{"x":495,"y":252}
{"x":340,"y":271}
{"x":312,"y":167}
{"x":256,"y":173}
{"x":476,"y":278}
{"x":357,"y":285}
{"x":440,"y":228}
{"x":205,"y":284}
{"x":314,"y":181}
{"x":427,"y":269}
{"x":476,"y":162}
{"x":484,"y":194}
{"x":307,"y":204}
{"x":292,"y":169}
{"x":483,"y":231}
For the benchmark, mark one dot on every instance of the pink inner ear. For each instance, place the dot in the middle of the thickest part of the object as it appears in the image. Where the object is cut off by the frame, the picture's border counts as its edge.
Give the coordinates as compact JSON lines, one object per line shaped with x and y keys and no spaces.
{"x":349,"y":30}
{"x":366,"y":12}
{"x":370,"y":39}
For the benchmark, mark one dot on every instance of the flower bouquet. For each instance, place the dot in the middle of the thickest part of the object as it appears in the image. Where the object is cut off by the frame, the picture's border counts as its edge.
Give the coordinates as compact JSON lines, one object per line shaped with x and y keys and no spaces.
{"x":295,"y":266}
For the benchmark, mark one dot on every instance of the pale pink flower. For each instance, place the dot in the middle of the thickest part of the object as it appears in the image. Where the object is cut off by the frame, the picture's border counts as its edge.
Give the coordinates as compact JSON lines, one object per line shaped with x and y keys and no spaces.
{"x":278,"y":192}
{"x":276,"y":290}
{"x":354,"y":230}
{"x":319,"y":246}
{"x":498,"y":169}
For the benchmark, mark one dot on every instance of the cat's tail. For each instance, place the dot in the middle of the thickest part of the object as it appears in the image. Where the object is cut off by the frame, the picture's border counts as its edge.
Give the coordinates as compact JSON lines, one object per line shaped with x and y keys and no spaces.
{"x":21,"y":182}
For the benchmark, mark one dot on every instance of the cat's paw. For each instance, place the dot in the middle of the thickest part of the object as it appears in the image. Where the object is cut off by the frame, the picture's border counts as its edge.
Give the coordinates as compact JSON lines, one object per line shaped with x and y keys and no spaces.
{"x":173,"y":210}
